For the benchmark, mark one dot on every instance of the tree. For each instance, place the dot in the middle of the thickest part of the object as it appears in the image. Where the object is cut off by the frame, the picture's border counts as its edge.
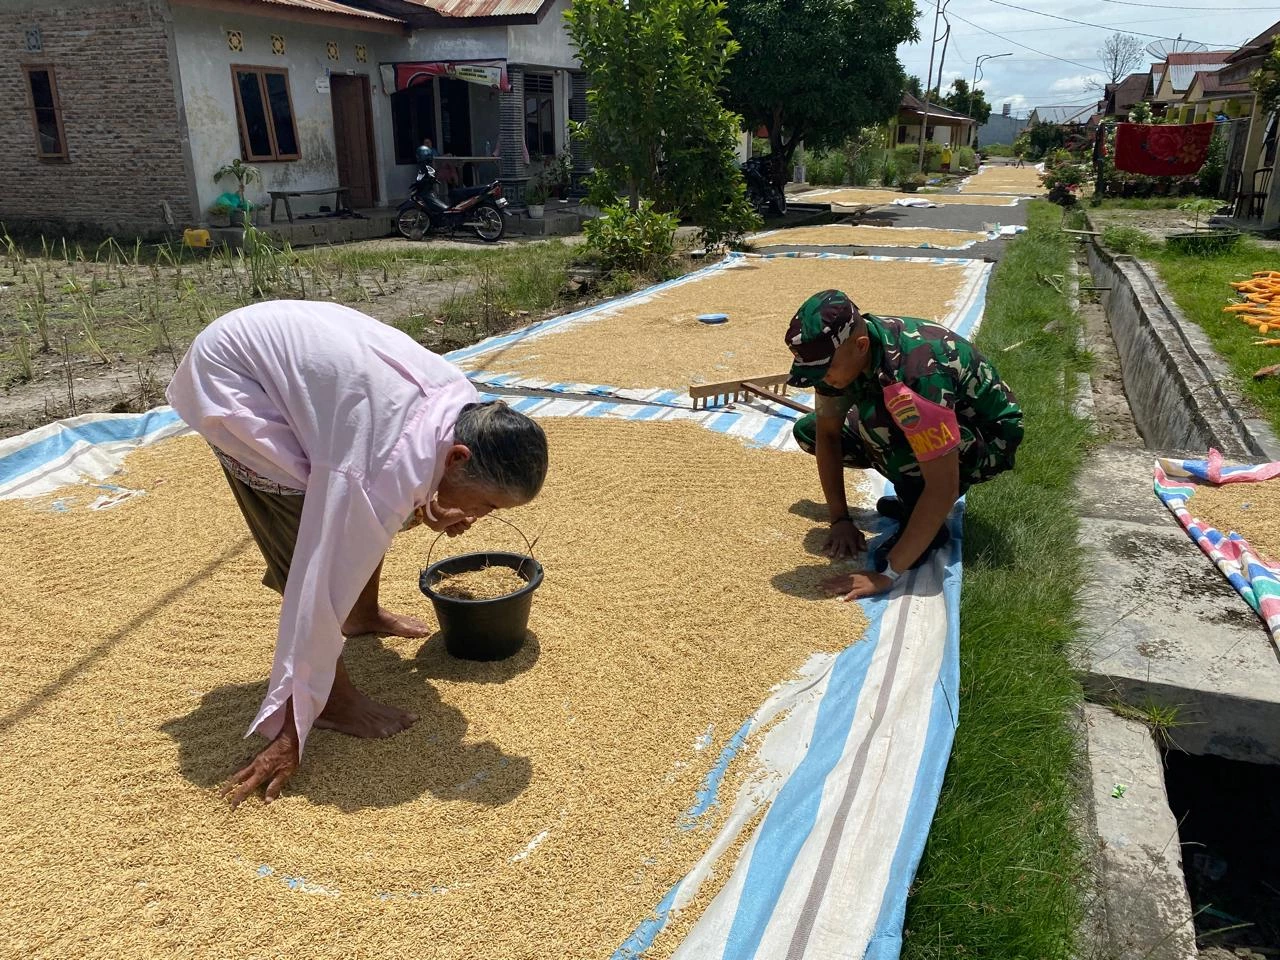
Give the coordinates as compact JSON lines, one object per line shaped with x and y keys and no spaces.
{"x":915,"y":87}
{"x":817,"y":71}
{"x":656,"y":127}
{"x":1119,"y":55}
{"x":959,"y":100}
{"x":1266,"y":80}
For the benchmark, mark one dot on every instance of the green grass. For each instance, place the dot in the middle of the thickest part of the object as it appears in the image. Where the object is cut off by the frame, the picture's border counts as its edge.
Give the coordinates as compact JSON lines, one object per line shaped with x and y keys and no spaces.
{"x":1200,"y":287}
{"x":1001,"y":875}
{"x":1140,"y":203}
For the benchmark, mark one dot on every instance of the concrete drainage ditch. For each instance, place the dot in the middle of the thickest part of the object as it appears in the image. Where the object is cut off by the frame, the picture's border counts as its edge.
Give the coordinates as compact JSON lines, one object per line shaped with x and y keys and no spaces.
{"x":1182,"y":821}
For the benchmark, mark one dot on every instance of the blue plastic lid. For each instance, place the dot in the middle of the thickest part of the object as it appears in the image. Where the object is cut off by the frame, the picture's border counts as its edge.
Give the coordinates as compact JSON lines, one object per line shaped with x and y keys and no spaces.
{"x":714,"y":318}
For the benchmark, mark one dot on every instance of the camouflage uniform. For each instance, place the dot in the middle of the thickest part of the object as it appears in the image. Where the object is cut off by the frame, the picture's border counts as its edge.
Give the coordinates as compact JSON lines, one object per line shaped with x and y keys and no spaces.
{"x":921,"y":365}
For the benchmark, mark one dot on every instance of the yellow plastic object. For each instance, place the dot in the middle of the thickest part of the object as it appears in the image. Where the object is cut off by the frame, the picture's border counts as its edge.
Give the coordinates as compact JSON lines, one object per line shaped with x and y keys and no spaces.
{"x":195,"y":238}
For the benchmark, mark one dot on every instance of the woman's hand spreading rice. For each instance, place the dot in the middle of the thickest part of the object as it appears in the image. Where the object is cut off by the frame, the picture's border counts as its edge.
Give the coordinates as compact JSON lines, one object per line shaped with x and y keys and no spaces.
{"x":273,"y":767}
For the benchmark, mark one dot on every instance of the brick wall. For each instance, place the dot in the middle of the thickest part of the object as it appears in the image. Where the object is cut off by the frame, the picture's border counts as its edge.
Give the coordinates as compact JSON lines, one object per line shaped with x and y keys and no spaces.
{"x":119,"y":110}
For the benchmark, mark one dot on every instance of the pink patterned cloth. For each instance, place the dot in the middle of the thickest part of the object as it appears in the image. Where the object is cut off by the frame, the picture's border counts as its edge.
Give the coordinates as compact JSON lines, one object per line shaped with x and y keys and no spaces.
{"x":321,"y":398}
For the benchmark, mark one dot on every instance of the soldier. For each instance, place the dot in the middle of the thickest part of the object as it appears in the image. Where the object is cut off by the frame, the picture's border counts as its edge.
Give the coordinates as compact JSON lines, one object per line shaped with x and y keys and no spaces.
{"x":909,"y":399}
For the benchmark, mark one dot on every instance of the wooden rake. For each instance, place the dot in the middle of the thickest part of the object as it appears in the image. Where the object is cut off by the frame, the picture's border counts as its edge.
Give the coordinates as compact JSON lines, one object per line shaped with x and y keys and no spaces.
{"x":772,"y":388}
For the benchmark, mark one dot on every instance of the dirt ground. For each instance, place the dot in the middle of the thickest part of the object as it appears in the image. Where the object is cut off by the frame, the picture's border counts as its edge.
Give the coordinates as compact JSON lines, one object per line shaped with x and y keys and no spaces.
{"x":1157,"y":224}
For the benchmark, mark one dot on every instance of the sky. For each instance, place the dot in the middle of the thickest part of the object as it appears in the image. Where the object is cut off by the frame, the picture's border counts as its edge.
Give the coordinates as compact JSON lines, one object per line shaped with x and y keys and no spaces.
{"x":1042,"y":75}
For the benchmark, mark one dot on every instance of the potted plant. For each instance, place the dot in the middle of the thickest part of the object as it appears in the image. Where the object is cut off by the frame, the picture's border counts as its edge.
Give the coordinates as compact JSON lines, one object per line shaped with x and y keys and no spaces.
{"x":244,"y":175}
{"x":560,"y":173}
{"x":1210,"y":240}
{"x":912,"y":182}
{"x":535,"y":195}
{"x":222,"y":209}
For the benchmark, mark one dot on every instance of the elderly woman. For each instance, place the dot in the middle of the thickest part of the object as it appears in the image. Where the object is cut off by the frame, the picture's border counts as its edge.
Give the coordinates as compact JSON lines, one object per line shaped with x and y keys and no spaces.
{"x":337,"y":431}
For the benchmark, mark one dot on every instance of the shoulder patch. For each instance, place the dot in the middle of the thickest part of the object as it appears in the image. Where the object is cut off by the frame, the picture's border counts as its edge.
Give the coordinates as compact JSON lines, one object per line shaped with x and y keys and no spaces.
{"x":902,"y":407}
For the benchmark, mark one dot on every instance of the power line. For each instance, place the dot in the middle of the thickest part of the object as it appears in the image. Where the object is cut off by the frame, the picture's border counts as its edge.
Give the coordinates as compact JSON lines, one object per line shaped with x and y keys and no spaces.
{"x":1000,"y":36}
{"x":1172,"y":6}
{"x":1109,"y":26}
{"x":1083,"y":23}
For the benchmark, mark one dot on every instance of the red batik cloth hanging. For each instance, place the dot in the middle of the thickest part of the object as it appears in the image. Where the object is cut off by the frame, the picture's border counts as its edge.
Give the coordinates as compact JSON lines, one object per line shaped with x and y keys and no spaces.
{"x":1160,"y":150}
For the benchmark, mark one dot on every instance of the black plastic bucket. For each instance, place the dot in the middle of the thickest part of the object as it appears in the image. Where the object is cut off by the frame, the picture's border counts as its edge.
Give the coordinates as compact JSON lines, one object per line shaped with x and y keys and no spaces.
{"x":483,"y":629}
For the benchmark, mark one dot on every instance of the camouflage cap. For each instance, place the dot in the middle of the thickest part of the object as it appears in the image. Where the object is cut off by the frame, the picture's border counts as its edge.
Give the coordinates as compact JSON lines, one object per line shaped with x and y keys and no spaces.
{"x":822,"y":323}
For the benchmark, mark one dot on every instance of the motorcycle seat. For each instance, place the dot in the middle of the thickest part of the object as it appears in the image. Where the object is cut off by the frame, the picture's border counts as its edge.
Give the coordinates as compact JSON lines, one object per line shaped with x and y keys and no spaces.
{"x":462,"y":193}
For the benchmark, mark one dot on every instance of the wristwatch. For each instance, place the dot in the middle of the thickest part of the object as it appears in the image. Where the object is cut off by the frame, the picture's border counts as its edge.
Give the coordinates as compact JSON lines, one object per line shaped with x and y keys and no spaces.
{"x":890,"y":573}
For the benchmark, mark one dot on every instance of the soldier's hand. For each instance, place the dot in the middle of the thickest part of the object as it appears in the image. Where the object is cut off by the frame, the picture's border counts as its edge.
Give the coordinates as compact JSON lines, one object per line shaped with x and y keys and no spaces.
{"x":844,"y":540}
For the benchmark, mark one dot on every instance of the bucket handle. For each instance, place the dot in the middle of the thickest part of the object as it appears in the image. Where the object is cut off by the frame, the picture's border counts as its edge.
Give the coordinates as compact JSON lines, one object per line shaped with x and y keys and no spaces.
{"x":491,"y":516}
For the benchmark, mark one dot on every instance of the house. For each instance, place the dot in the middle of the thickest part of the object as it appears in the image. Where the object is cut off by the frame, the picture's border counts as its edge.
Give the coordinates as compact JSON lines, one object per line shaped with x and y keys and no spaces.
{"x":1252,"y":148}
{"x":116,"y":115}
{"x":1176,"y":75}
{"x":1120,"y":98}
{"x":944,"y":126}
{"x":1209,"y":98}
{"x":1070,"y":115}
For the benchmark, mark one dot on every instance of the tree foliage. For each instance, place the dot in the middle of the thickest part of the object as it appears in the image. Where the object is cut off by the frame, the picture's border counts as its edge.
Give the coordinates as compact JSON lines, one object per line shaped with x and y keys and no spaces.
{"x":1266,"y":81}
{"x":958,"y":99}
{"x":656,"y":127}
{"x":817,"y":70}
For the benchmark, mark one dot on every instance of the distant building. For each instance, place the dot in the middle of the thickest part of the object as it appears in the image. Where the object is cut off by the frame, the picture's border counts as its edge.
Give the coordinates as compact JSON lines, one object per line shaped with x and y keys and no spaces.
{"x":946,"y":127}
{"x":1069,"y":115}
{"x":1001,"y":128}
{"x":1122,"y":97}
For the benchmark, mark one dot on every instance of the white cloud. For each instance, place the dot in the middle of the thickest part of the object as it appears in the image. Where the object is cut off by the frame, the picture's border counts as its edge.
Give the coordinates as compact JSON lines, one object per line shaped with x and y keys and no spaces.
{"x":1075,"y":84}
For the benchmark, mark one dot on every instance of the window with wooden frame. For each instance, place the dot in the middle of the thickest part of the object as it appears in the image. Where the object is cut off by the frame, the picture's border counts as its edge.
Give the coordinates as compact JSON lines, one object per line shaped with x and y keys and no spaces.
{"x":46,"y":113}
{"x":264,"y":108}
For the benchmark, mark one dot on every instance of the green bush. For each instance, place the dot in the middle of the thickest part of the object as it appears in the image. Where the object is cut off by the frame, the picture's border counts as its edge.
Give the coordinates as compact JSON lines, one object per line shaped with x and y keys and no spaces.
{"x":908,"y":155}
{"x":827,"y":167}
{"x":967,"y":158}
{"x":1127,"y":240}
{"x":998,"y":149}
{"x":862,"y":166}
{"x":1210,"y":176}
{"x":888,"y":169}
{"x":636,"y":241}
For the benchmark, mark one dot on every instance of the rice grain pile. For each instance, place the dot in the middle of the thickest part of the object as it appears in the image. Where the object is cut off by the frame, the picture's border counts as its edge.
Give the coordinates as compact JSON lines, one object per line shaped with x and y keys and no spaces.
{"x":534,"y":810}
{"x":1249,"y":509}
{"x":849,"y":235}
{"x":881,"y":198}
{"x":1006,"y":180}
{"x":660,"y":343}
{"x":487,"y":583}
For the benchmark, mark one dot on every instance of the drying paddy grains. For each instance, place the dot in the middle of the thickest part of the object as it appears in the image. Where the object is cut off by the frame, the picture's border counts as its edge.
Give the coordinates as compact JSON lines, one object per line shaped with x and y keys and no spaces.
{"x":535,"y":809}
{"x":659,"y":342}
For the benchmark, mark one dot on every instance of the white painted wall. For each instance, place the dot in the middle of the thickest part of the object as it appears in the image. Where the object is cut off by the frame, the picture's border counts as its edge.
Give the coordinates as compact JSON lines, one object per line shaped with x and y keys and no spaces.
{"x":472,"y":43}
{"x":205,"y":63}
{"x":545,"y":44}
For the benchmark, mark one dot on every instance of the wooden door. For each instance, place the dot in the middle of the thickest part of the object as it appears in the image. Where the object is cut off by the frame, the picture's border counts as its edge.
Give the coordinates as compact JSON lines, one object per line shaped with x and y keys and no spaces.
{"x":353,"y":138}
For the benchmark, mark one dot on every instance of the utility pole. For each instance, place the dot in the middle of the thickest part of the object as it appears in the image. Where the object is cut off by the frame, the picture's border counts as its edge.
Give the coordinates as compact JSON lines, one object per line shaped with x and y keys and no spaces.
{"x":924,"y":123}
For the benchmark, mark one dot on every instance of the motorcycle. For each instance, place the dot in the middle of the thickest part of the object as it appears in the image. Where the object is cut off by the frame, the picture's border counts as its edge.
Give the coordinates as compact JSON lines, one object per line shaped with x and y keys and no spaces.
{"x":767,"y":199}
{"x":481,"y":209}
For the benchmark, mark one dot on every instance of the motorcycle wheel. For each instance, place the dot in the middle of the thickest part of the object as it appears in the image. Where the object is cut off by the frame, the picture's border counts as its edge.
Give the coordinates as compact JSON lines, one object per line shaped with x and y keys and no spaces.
{"x":758,"y":201}
{"x":778,"y":203}
{"x":490,"y":225}
{"x":413,"y":224}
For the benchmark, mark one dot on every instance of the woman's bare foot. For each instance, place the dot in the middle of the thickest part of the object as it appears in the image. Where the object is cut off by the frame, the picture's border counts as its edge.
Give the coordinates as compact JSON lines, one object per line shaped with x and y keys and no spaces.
{"x":349,"y":711}
{"x":356,"y":715}
{"x":385,"y":622}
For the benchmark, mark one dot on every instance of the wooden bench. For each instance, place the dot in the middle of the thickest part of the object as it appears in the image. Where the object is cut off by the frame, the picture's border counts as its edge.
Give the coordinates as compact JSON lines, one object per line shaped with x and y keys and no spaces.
{"x":342,"y":203}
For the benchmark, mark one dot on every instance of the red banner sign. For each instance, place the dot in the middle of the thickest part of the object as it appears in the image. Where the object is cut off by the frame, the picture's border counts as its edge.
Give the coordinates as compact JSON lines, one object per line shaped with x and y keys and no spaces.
{"x":486,"y":73}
